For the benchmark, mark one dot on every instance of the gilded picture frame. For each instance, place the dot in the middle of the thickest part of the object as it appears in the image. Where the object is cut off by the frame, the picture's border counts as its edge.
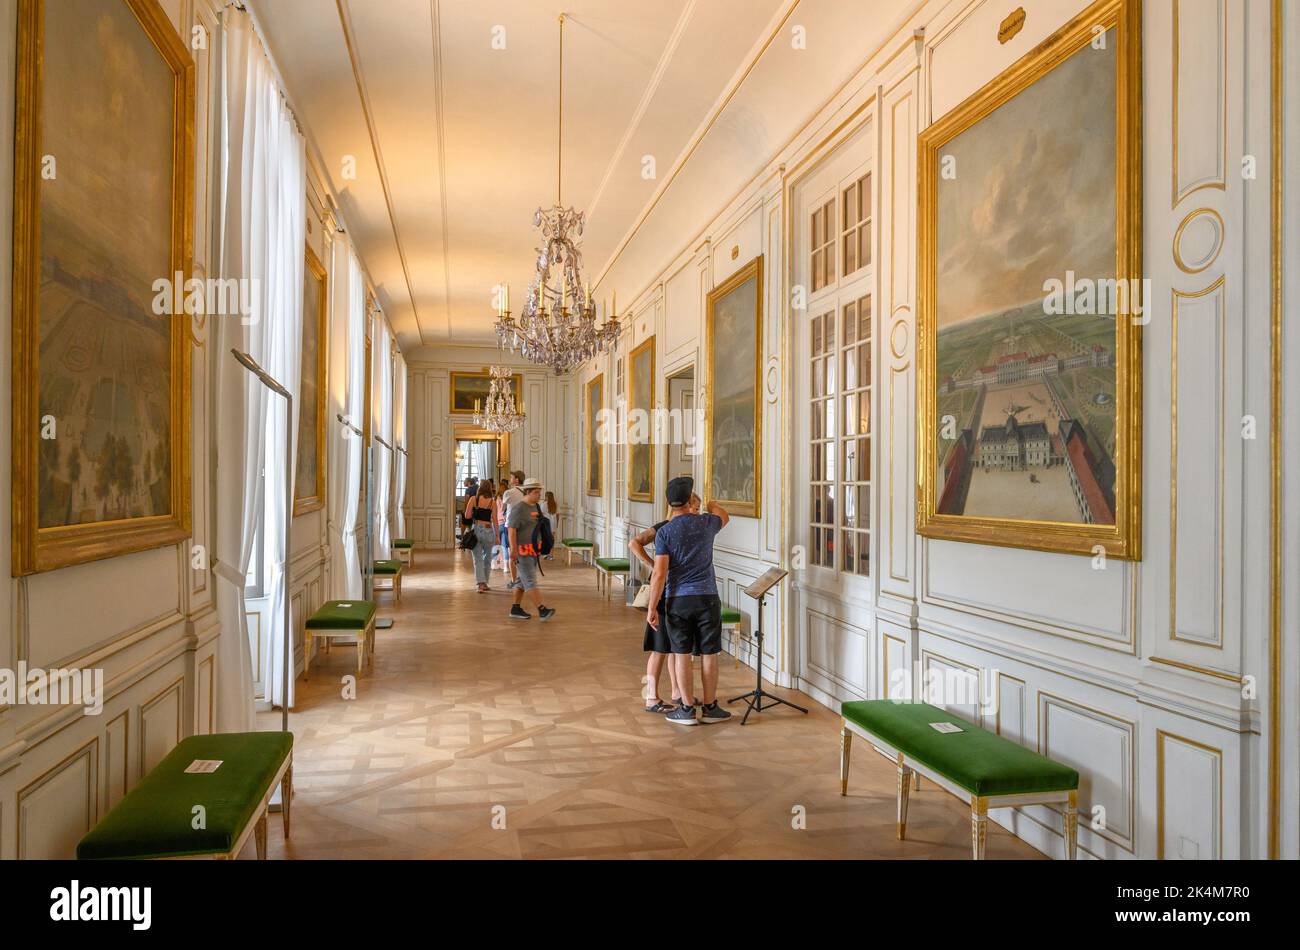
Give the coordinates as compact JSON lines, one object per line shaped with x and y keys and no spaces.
{"x":733,"y":402}
{"x":113,"y":482}
{"x":641,"y":396}
{"x":309,"y":480}
{"x":1098,"y":473}
{"x":595,"y":461}
{"x":464,"y":388}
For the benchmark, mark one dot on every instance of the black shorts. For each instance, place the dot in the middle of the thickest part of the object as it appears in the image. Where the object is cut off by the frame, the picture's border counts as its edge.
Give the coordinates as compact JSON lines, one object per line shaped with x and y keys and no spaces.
{"x":656,"y":641}
{"x":694,"y":623}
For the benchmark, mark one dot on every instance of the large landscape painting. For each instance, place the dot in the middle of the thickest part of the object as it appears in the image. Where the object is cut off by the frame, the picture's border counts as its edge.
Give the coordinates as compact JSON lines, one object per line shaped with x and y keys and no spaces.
{"x":309,"y":480}
{"x":733,"y":345}
{"x":595,"y":450}
{"x":641,"y":399}
{"x":1026,"y":387}
{"x":100,"y":382}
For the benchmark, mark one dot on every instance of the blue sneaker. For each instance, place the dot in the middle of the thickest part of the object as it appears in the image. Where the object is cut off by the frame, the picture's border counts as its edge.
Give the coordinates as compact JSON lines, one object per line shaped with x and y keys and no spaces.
{"x":682,"y":716}
{"x":712,"y":712}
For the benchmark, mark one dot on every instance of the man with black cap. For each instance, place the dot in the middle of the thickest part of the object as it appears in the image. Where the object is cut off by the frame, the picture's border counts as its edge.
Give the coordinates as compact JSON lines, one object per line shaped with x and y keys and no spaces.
{"x":692,"y":610}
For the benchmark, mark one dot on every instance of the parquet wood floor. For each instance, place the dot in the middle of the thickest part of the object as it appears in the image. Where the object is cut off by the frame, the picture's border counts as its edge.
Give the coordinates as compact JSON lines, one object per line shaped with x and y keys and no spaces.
{"x":475,"y":736}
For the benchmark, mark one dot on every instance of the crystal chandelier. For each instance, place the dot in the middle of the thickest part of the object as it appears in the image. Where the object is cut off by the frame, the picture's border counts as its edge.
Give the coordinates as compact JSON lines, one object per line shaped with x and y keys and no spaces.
{"x":557,"y":326}
{"x":500,"y":414}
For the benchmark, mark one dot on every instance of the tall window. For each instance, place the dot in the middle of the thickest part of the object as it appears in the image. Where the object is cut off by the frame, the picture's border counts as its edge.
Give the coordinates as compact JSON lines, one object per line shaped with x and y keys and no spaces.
{"x":856,"y":217}
{"x":823,"y":437}
{"x":840,"y":435}
{"x":823,"y":246}
{"x":855,"y":438}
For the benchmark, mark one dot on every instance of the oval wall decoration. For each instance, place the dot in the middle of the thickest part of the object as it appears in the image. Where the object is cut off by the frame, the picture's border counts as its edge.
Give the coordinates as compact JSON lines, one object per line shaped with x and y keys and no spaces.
{"x":1198,"y":240}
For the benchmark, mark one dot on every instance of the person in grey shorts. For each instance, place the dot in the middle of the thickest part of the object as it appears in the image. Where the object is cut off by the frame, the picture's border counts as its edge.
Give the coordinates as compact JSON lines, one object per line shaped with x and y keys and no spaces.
{"x":522,"y":523}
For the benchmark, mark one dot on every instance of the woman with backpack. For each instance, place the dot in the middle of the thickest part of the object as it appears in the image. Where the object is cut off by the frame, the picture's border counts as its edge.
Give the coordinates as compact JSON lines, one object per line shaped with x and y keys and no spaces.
{"x":481,"y":513}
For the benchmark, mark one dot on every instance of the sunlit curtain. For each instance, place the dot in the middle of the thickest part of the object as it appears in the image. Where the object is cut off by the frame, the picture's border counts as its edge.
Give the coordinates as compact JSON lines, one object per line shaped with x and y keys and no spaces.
{"x":262,"y":235}
{"x":347,"y":398}
{"x":399,"y":441}
{"x":382,"y":387}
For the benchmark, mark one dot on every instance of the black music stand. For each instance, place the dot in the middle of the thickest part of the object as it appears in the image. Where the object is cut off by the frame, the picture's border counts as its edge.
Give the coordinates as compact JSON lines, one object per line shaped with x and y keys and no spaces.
{"x":754,"y":698}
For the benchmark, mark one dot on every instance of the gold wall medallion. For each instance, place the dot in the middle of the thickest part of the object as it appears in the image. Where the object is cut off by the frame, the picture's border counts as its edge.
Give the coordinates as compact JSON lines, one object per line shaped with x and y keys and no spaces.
{"x":309,"y":478}
{"x":1012,"y":25}
{"x":733,"y":411}
{"x":102,"y":258}
{"x":1029,"y":385}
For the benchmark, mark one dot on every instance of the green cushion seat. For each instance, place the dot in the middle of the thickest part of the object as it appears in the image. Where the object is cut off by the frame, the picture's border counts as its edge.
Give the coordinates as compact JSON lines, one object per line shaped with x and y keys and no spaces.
{"x":614,"y":565}
{"x":403,"y":543}
{"x":981,"y":762}
{"x":342,"y":615}
{"x":388,"y":567}
{"x":730,"y":615}
{"x":156,"y":818}
{"x":577,"y":543}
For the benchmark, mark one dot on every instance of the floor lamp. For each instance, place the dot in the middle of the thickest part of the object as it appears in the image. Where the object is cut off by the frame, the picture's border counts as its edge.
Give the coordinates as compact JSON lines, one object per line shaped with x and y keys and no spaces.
{"x":251,"y":365}
{"x":382,"y":623}
{"x":367,"y":564}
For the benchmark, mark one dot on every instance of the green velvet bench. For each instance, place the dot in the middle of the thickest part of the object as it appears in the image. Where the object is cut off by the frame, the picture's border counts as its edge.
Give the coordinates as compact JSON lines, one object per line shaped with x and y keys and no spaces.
{"x":157,"y":818}
{"x":393,"y":571}
{"x":607,"y":567}
{"x":991,"y":771}
{"x":731,"y":626}
{"x":352,"y":621}
{"x":584,"y":548}
{"x":405,"y":550}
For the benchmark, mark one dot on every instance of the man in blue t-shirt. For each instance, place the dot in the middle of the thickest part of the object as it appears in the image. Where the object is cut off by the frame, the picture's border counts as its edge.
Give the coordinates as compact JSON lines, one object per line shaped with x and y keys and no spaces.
{"x":692,"y":610}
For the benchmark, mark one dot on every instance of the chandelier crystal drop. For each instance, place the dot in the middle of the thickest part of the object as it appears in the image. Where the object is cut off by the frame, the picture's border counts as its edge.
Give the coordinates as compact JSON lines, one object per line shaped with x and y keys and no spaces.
{"x":557,"y":326}
{"x":500,"y":414}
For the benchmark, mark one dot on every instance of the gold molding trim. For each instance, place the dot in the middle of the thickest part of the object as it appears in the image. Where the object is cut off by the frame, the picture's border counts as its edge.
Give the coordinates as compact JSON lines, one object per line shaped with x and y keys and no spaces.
{"x":89,"y":747}
{"x":752,"y":270}
{"x":1131,"y":840}
{"x":1178,"y":236}
{"x":1193,"y":668}
{"x":1013,"y":24}
{"x":1275,"y":451}
{"x":1176,"y":295}
{"x":1221,"y":184}
{"x":176,"y":686}
{"x":1123,"y":539}
{"x":1161,"y":736}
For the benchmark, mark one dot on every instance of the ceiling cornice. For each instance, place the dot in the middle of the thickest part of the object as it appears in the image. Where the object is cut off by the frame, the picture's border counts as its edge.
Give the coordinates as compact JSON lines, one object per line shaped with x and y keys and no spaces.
{"x":345,"y":21}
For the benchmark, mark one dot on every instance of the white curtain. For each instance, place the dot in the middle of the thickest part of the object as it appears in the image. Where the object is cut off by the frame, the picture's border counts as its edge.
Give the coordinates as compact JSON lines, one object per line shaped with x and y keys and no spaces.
{"x":347,"y":397}
{"x":382,"y":386}
{"x":399,"y":441}
{"x":484,"y":461}
{"x":262,"y":238}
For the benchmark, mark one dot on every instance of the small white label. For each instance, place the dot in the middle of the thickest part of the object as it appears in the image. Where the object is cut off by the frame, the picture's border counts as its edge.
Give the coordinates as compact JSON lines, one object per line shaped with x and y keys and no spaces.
{"x":204,"y":765}
{"x":945,"y":727}
{"x":345,"y":605}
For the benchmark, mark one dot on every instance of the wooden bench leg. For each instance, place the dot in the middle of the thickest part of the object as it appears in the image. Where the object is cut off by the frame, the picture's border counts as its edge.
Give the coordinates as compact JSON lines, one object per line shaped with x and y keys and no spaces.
{"x":916,"y":781}
{"x":361,"y":653}
{"x":397,"y":588}
{"x":904,"y":789}
{"x":846,"y":748}
{"x":979,"y":826}
{"x":306,"y":655}
{"x":286,"y":798}
{"x":1072,"y":826}
{"x":259,"y":835}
